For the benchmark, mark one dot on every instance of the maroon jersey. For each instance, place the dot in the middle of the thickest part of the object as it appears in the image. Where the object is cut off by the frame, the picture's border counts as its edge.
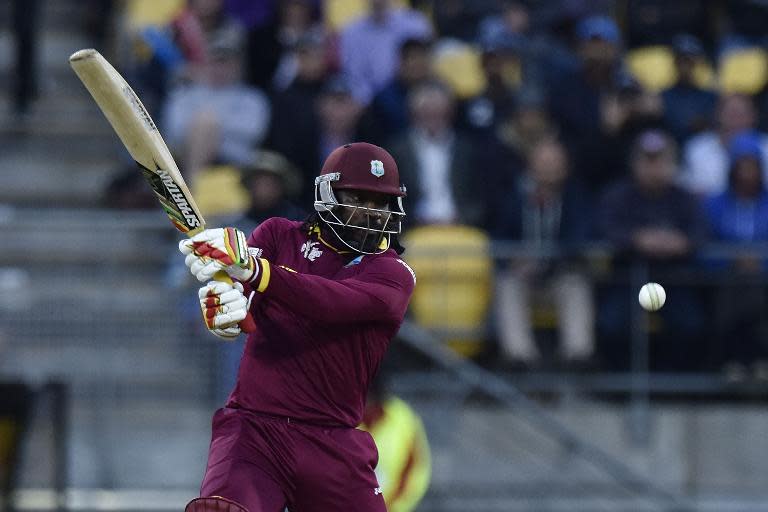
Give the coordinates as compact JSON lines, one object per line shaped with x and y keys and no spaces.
{"x":325,"y":319}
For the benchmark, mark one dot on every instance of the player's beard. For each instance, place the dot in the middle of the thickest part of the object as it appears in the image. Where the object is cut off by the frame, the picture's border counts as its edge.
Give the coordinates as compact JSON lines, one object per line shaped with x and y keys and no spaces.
{"x":362,"y":233}
{"x":362,"y":240}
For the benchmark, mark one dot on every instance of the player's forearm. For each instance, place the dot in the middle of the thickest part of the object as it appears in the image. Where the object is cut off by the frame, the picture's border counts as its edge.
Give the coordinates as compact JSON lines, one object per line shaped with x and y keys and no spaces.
{"x":328,"y":301}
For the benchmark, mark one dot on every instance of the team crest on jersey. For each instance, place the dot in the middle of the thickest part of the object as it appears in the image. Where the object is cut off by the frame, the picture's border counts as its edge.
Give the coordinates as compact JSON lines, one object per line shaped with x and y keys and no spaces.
{"x":377,"y":168}
{"x":310,"y":251}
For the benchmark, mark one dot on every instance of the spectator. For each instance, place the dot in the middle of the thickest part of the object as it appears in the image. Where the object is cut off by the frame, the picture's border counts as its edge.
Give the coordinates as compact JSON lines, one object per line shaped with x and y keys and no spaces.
{"x":387,"y":115}
{"x":688,"y":108}
{"x":179,"y":53}
{"x":315,"y":117}
{"x":507,"y":154}
{"x":652,"y":221}
{"x":272,"y":183}
{"x":705,"y":158}
{"x":269,"y":55}
{"x":502,"y":69}
{"x":526,"y":125}
{"x":626,"y":113}
{"x":295,"y":130}
{"x":599,"y":51}
{"x":339,"y":114}
{"x":584,"y":102}
{"x":201,"y":24}
{"x":217,"y":119}
{"x":740,"y":215}
{"x":547,"y":210}
{"x":436,"y":163}
{"x":369,"y":46}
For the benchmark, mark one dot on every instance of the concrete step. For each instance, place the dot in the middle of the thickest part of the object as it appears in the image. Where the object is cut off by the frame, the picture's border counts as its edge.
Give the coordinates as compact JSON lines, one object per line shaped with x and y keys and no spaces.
{"x":87,"y":236}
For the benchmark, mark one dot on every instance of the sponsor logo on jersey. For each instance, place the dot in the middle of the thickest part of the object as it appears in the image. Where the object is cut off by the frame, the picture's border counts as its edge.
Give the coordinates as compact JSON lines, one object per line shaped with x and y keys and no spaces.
{"x":413,"y":274}
{"x":377,"y":168}
{"x":310,"y":251}
{"x":377,"y":491}
{"x":256,"y":252}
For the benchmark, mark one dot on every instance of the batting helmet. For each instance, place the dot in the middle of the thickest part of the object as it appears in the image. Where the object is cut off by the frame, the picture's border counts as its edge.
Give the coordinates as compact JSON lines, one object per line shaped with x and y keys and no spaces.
{"x":360,"y":166}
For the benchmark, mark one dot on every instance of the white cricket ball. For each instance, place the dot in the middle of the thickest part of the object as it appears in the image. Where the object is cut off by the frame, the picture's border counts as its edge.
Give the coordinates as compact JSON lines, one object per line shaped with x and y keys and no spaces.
{"x":652,"y":296}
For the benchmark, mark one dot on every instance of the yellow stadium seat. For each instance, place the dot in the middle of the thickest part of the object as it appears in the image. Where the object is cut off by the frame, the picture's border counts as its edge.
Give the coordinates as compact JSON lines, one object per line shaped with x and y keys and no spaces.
{"x":743,"y":71}
{"x":654,"y":68}
{"x":453,"y":290}
{"x":459,"y":66}
{"x":217,"y":191}
{"x":142,"y":13}
{"x":338,"y":13}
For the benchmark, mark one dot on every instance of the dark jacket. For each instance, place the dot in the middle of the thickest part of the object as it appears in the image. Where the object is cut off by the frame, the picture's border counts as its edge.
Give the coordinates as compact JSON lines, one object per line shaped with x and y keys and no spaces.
{"x":626,"y":208}
{"x":466,"y":178}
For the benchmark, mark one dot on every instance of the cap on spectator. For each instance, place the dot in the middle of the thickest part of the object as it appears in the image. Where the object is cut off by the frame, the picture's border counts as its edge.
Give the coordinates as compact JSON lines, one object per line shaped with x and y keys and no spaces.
{"x":271,"y":162}
{"x":687,"y":44}
{"x":653,"y":142}
{"x":598,"y":27}
{"x":745,"y":144}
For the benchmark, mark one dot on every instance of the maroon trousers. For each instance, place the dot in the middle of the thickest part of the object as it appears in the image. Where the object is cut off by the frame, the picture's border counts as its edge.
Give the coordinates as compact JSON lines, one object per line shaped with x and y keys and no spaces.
{"x":267,"y":463}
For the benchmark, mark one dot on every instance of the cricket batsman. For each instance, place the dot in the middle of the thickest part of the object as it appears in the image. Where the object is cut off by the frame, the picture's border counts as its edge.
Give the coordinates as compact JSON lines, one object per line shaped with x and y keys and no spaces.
{"x":327,"y":296}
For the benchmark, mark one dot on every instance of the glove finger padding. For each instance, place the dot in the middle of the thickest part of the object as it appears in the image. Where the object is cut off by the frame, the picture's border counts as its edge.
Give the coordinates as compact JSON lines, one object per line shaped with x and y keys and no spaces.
{"x":223,"y":305}
{"x":202,"y":268}
{"x":228,"y":333}
{"x":219,"y":249}
{"x":227,"y":245}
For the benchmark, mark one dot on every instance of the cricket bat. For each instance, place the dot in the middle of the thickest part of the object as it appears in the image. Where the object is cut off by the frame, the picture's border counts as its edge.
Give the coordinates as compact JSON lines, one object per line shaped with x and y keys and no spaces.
{"x":141,"y":138}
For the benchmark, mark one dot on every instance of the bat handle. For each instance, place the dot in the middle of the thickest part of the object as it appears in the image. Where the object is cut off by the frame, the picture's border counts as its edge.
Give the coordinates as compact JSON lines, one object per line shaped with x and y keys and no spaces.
{"x":247,"y":324}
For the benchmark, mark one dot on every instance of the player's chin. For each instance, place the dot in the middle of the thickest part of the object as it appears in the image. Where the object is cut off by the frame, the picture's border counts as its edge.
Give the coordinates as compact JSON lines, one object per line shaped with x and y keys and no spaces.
{"x":364,"y":241}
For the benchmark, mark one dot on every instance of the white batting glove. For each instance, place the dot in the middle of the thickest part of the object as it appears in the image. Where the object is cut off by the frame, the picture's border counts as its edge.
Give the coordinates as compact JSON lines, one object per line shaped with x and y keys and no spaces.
{"x":223,"y":306}
{"x":218,"y":249}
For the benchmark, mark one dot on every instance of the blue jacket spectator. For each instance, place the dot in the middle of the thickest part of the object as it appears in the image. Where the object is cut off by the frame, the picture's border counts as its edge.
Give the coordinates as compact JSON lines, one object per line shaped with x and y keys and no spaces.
{"x":740,"y":214}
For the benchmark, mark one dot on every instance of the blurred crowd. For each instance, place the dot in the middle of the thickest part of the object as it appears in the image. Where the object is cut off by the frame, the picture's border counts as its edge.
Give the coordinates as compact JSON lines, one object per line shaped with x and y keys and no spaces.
{"x":559,"y":123}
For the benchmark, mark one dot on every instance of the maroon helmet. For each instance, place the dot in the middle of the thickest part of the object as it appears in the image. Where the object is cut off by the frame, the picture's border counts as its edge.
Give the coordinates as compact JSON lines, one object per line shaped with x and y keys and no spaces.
{"x":360,"y":166}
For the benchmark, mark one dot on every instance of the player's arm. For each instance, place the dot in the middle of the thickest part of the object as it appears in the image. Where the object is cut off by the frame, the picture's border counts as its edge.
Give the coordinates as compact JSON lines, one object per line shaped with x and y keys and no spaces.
{"x":379,"y":294}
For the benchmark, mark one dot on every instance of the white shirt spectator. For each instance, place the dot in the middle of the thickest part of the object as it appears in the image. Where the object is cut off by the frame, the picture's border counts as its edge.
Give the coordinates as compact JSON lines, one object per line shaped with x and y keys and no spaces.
{"x":437,"y":204}
{"x":243,"y":114}
{"x":706,"y":163}
{"x":370,"y":50}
